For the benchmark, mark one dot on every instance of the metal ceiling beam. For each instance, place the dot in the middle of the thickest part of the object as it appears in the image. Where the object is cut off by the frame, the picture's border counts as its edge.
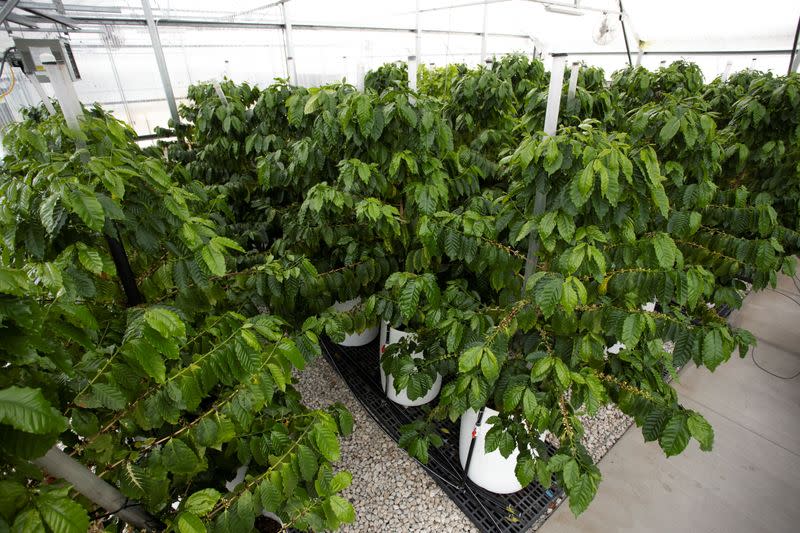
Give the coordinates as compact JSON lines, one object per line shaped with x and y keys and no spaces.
{"x":58,"y":19}
{"x":72,"y":7}
{"x":5,"y":11}
{"x":22,"y":20}
{"x":543,"y":2}
{"x":201,"y":23}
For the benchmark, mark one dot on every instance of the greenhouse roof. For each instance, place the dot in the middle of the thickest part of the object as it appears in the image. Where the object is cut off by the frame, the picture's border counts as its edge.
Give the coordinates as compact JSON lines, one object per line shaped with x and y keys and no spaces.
{"x":246,"y":39}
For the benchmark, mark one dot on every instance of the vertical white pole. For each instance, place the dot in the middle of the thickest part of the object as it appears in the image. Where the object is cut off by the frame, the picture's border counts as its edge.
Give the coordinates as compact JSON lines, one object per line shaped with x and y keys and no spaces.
{"x":40,"y":91}
{"x":360,"y":72}
{"x":573,"y":84}
{"x":639,"y":57}
{"x":550,"y":125}
{"x":554,"y":93}
{"x":219,"y":92}
{"x":291,"y":68}
{"x":412,"y":73}
{"x":483,"y":34}
{"x":727,"y":73}
{"x":62,"y":86}
{"x":161,"y":61}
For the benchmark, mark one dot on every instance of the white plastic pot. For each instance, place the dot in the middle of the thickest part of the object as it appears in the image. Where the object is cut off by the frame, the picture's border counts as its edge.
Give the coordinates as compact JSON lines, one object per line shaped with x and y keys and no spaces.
{"x":232,"y":484}
{"x":360,"y":338}
{"x":389,"y":336}
{"x":490,"y":471}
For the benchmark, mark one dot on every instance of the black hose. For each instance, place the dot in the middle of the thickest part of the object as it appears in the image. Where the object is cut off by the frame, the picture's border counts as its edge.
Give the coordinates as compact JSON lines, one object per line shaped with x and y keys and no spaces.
{"x":124,"y":271}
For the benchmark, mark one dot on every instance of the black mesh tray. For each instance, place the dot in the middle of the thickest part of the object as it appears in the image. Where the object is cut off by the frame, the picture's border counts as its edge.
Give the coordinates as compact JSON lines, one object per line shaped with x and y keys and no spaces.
{"x":490,"y":512}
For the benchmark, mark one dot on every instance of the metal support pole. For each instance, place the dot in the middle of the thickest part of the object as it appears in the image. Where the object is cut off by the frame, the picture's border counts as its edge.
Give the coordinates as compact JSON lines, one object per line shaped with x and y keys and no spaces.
{"x":291,"y":68}
{"x":412,"y":72}
{"x":550,"y":125}
{"x":625,"y":34}
{"x":727,"y":73}
{"x":483,"y":34}
{"x":59,"y":464}
{"x":155,"y":40}
{"x":220,"y":94}
{"x":62,"y":87}
{"x":573,"y":84}
{"x":117,"y":80}
{"x":43,"y":95}
{"x":639,"y":57}
{"x":794,"y":59}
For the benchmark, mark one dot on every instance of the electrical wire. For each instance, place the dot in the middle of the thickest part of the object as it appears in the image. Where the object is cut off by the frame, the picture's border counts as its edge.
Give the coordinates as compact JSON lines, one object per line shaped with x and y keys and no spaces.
{"x":788,"y":378}
{"x":753,"y":351}
{"x":10,"y":87}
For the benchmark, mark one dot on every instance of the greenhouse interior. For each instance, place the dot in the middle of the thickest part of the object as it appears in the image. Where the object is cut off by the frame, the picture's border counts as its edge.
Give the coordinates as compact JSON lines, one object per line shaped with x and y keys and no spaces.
{"x":490,"y":266}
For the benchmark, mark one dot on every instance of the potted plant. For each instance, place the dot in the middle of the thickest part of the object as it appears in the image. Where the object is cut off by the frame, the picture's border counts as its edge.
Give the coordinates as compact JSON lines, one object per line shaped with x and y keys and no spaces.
{"x":127,"y":346}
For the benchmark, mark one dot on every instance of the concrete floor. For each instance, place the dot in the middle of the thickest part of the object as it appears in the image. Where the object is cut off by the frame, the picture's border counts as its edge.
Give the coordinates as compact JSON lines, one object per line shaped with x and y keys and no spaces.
{"x":750,"y":482}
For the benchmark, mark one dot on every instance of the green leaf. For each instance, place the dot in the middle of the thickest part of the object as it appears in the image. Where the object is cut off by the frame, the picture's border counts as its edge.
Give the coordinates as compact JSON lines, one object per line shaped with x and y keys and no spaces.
{"x":669,"y":130}
{"x":62,"y":515}
{"x":27,"y":410}
{"x":581,"y":494}
{"x":342,"y":509}
{"x":713,"y":350}
{"x":513,"y":395}
{"x":214,"y":259}
{"x":506,"y":444}
{"x":202,"y":502}
{"x":307,"y":460}
{"x":571,"y":473}
{"x":562,"y":373}
{"x":290,"y":351}
{"x":28,"y":521}
{"x":632,"y":330}
{"x":109,"y":396}
{"x":13,"y":496}
{"x":189,"y":523}
{"x":489,"y":366}
{"x":341,"y":481}
{"x":525,"y":470}
{"x":178,"y":457}
{"x":470,"y":358}
{"x":88,"y":208}
{"x":654,"y":423}
{"x":269,"y":495}
{"x":675,"y":436}
{"x":90,"y":259}
{"x":166,"y":322}
{"x":665,"y":250}
{"x":542,"y":367}
{"x":586,"y":180}
{"x":529,"y":404}
{"x":701,"y":430}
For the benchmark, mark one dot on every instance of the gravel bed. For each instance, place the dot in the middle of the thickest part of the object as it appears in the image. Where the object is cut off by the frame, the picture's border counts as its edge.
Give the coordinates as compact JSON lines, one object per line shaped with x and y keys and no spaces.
{"x":391,"y":492}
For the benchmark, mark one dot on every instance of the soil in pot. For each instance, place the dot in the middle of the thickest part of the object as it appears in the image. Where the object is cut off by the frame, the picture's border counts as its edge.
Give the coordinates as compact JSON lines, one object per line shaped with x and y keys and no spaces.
{"x":265,"y":524}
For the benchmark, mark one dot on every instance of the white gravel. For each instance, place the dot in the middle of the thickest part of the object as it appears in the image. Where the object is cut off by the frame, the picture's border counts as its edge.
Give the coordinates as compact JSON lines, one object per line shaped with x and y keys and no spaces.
{"x":390,"y":491}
